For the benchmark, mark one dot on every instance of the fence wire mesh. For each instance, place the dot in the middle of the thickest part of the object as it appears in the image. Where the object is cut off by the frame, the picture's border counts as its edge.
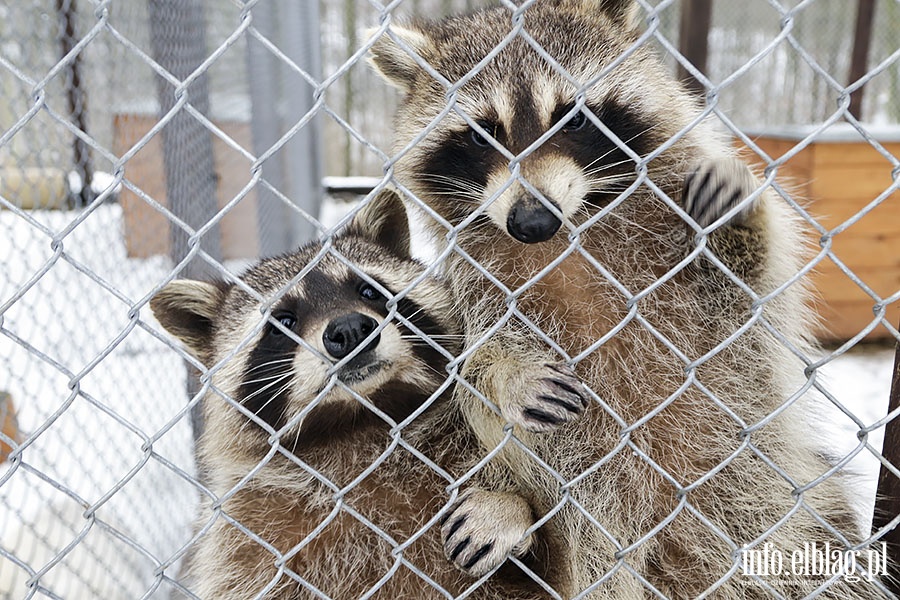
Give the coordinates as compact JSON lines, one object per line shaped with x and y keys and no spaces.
{"x":142,"y":142}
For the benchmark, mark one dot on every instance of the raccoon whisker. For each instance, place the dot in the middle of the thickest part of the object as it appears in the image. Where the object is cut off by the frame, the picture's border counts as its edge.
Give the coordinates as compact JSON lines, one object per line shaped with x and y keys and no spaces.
{"x":460,"y":197}
{"x":615,"y":188}
{"x":428,"y":367}
{"x":413,"y":315}
{"x":270,"y":398}
{"x":429,"y":344}
{"x":453,"y":192}
{"x":277,"y":361}
{"x":597,"y":176}
{"x":473,"y":196}
{"x":460,"y":191}
{"x":640,"y":133}
{"x":661,"y":177}
{"x":294,"y":447}
{"x":604,"y":155}
{"x":603,"y":171}
{"x":277,"y":380}
{"x":269,"y":378}
{"x":462,"y":185}
{"x":417,"y":341}
{"x":271,"y":363}
{"x":616,"y":147}
{"x":621,"y":178}
{"x":435,"y":336}
{"x":605,"y":166}
{"x":457,"y":181}
{"x":280,"y":391}
{"x":289,"y":379}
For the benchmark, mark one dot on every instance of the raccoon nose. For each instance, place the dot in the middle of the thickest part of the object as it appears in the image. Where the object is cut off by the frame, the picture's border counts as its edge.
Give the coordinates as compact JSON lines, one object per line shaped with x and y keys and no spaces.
{"x":345,"y":333}
{"x":529,"y":221}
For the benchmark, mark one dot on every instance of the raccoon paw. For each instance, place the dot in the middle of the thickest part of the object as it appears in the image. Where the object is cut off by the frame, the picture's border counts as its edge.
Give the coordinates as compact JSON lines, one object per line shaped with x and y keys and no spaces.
{"x":715,"y":187}
{"x":484,"y":528}
{"x":550,"y":397}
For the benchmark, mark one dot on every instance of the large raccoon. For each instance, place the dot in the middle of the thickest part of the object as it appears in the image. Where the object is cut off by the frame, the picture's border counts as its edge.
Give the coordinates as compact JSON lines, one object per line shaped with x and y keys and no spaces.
{"x":330,"y":436}
{"x":605,"y":213}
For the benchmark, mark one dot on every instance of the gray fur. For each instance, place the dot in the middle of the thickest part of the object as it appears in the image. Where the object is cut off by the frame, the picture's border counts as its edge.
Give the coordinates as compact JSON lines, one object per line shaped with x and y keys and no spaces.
{"x":314,"y":477}
{"x":706,"y":462}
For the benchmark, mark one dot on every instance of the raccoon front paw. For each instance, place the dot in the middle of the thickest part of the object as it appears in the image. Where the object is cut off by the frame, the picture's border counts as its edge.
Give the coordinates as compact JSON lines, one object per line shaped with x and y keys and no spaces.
{"x":548,"y":397}
{"x":715,"y":187}
{"x":484,"y":528}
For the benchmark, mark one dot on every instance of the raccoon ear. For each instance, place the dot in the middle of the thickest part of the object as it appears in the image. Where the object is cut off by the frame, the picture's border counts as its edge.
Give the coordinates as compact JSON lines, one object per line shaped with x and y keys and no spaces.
{"x":624,"y":12}
{"x":187,"y":310}
{"x":393,"y":61}
{"x":383,"y":220}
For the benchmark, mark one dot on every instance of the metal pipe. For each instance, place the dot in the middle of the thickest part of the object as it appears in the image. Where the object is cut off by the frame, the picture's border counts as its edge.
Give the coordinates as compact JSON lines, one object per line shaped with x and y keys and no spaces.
{"x":76,"y":98}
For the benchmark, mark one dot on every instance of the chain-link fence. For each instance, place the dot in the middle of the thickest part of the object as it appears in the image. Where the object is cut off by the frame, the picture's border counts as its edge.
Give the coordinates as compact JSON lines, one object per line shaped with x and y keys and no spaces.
{"x":142,"y":141}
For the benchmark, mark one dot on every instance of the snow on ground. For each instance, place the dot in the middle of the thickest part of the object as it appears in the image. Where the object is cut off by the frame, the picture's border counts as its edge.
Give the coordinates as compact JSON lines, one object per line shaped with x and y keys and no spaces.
{"x":104,"y":478}
{"x":104,"y":416}
{"x":860,"y":381}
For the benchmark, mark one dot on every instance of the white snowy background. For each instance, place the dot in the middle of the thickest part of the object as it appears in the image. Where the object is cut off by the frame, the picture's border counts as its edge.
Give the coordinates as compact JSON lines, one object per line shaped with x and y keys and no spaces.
{"x":105,"y":478}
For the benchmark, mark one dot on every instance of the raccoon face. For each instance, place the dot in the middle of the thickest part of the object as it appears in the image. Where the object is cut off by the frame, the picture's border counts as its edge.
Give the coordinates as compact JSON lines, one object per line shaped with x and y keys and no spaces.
{"x":340,"y":345}
{"x":530,"y":144}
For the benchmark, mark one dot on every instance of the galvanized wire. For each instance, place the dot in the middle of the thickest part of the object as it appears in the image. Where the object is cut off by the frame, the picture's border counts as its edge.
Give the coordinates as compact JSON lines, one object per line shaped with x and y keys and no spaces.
{"x":100,"y":489}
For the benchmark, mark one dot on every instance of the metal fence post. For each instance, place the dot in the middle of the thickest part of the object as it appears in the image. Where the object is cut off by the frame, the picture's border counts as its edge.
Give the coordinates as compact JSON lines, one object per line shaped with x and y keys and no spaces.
{"x":303,"y":152}
{"x":261,"y":72}
{"x":280,"y":99}
{"x":177,"y":37}
{"x":177,"y":29}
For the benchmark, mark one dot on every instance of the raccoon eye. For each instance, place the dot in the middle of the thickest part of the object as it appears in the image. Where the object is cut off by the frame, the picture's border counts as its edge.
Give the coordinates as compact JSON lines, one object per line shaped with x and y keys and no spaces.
{"x":576,"y":122}
{"x":368,"y":292}
{"x":286,"y":319}
{"x":479,"y":139}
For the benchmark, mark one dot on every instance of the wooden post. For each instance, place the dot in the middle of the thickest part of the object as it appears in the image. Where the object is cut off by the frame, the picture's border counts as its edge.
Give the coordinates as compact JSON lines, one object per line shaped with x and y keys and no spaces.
{"x":9,"y":426}
{"x":887,"y":504}
{"x":862,"y":38}
{"x":693,"y":40}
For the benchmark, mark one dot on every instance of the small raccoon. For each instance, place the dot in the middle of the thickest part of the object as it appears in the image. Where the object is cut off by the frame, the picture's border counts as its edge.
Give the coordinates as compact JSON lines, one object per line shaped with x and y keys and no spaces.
{"x":606,"y":213}
{"x":331,"y":437}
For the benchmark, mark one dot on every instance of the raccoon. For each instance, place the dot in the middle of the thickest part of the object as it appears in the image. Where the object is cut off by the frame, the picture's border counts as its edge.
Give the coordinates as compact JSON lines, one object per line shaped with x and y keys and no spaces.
{"x":331,"y":438}
{"x":603,"y":211}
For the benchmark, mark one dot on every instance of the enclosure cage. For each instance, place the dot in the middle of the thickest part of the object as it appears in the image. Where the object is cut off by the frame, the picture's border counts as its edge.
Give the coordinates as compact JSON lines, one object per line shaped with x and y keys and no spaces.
{"x":147,"y":140}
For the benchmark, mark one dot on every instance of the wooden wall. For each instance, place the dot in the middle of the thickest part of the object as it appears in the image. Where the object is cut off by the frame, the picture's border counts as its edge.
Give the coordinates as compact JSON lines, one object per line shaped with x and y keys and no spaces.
{"x":9,"y":426}
{"x":147,"y":229}
{"x":838,"y":176}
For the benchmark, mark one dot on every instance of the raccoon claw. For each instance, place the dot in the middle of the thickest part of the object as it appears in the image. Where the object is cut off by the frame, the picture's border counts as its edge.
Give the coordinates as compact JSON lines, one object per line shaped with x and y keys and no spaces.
{"x":715,"y":187}
{"x":553,"y":397}
{"x":484,"y":528}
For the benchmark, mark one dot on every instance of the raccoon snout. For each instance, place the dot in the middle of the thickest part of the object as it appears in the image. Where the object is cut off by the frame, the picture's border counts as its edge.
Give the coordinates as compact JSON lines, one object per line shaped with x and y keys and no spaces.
{"x":345,"y":333}
{"x":529,"y":221}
